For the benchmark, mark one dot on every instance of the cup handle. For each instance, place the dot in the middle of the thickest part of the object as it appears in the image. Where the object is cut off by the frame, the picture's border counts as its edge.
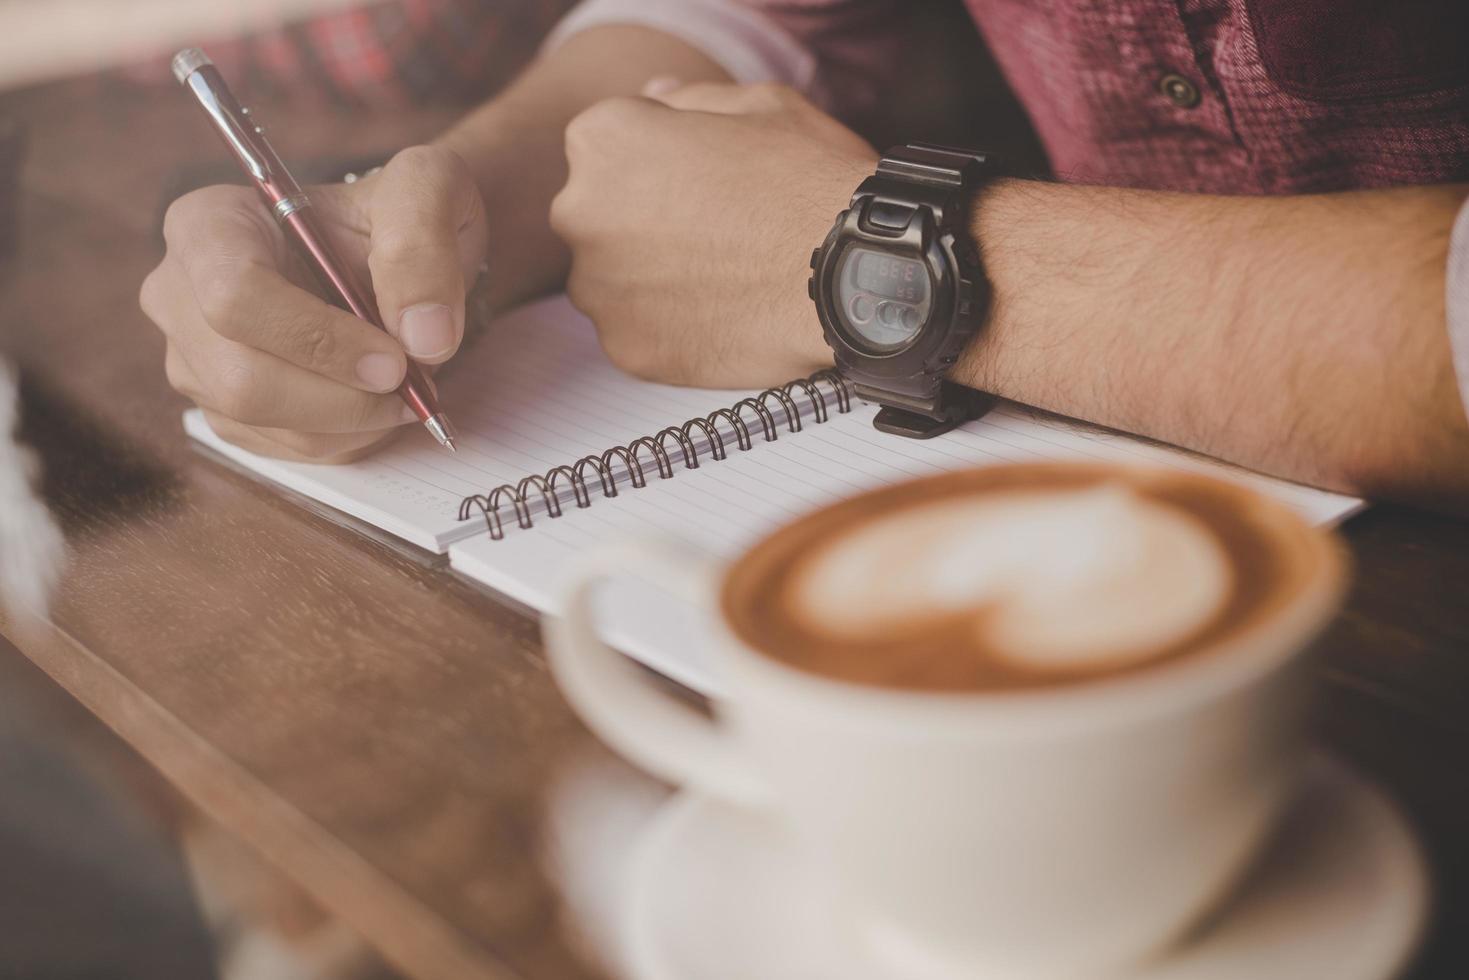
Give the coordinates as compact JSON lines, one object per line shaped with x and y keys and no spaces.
{"x":619,"y":700}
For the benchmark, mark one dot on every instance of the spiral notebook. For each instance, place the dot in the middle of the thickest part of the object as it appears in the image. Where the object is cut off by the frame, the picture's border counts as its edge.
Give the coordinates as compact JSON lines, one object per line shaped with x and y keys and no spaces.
{"x":560,"y":451}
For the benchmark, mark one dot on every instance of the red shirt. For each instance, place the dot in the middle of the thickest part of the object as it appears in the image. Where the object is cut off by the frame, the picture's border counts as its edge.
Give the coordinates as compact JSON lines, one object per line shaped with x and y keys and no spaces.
{"x":381,"y":54}
{"x":1242,"y":96}
{"x":1222,"y":96}
{"x":1227,"y":96}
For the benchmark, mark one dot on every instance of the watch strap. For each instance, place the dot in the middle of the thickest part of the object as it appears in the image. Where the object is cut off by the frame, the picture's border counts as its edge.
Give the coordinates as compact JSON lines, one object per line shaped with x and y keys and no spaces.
{"x":942,"y":166}
{"x":908,"y":177}
{"x":925,"y":413}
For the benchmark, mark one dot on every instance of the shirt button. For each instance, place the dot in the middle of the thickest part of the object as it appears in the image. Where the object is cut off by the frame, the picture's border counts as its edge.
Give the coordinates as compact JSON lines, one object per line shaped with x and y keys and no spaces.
{"x":1179,"y":90}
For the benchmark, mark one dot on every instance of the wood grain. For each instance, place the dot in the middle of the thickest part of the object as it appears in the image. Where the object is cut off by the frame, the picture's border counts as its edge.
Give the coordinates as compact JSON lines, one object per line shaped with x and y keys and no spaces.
{"x":380,"y":731}
{"x":255,"y":654}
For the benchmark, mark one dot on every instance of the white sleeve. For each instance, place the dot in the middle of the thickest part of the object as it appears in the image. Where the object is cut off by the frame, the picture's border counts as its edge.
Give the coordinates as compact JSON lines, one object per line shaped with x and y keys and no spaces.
{"x":741,"y":40}
{"x":1456,"y":300}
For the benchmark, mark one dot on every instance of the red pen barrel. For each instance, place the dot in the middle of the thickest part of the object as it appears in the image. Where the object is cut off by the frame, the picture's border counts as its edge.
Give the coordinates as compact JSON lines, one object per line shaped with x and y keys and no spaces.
{"x":245,"y":138}
{"x":343,"y":280}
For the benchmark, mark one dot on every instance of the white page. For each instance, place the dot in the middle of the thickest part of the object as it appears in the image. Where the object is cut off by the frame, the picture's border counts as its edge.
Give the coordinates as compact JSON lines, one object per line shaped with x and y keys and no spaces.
{"x":723,"y":507}
{"x":535,"y":393}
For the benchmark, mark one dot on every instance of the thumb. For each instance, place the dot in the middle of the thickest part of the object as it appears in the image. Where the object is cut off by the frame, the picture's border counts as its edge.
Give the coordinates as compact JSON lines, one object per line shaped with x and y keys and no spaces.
{"x":660,"y":85}
{"x":427,"y":231}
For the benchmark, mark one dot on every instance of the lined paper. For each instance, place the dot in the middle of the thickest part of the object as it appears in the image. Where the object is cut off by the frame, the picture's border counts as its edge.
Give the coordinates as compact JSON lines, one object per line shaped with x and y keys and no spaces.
{"x":720,"y":509}
{"x":533,"y":393}
{"x":537,"y":392}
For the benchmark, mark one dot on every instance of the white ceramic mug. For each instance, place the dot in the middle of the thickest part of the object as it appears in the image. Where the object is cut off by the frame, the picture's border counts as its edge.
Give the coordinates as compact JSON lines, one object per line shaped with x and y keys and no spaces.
{"x":1066,"y":831}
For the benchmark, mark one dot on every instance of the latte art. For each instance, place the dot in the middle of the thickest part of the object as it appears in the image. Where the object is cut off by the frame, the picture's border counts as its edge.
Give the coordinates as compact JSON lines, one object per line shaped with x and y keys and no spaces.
{"x":1061,"y":578}
{"x":1020,"y":576}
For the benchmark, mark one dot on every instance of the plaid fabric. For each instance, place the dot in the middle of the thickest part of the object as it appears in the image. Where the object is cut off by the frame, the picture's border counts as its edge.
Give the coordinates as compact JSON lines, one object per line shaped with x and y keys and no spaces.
{"x":383,"y":54}
{"x":1292,"y":95}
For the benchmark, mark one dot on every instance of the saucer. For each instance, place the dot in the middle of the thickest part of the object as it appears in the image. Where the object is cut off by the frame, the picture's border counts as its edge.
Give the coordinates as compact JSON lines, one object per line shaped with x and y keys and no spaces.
{"x":718,"y":893}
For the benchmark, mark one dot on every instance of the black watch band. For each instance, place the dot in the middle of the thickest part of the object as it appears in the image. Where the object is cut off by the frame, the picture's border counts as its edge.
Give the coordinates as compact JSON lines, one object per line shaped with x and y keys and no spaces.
{"x":940,"y":166}
{"x":934,"y":406}
{"x":941,"y":180}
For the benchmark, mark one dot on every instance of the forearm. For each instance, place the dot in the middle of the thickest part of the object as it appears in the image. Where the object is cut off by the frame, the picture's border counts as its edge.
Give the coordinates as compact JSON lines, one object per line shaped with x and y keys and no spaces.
{"x":1302,"y":336}
{"x":514,"y":143}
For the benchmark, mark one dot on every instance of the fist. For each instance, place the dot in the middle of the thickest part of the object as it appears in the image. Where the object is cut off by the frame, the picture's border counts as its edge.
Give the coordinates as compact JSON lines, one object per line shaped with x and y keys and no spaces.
{"x":250,"y":339}
{"x":691,"y":219}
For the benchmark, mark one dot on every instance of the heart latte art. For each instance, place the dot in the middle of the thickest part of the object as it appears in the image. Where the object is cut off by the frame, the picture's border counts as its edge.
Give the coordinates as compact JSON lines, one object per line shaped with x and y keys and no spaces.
{"x":1058,"y":578}
{"x":1019,"y":576}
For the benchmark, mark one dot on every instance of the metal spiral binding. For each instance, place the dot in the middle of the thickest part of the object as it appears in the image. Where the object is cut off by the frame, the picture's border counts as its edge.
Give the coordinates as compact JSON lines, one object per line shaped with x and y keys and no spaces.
{"x":679,"y":439}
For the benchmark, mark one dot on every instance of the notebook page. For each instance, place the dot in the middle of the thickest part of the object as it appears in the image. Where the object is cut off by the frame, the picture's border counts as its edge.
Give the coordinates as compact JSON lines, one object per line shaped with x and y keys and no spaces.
{"x":533,"y":393}
{"x":721,"y":508}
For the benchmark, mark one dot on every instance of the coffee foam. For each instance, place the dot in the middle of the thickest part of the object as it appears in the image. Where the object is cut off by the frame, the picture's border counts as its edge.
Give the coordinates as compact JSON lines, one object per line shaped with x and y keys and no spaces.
{"x":1057,"y":579}
{"x":1021,"y":575}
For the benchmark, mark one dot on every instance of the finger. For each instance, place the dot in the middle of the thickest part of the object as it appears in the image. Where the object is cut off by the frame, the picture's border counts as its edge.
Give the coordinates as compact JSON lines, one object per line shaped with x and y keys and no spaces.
{"x":254,"y":306}
{"x":605,"y":141}
{"x":427,"y":235}
{"x":231,"y":270}
{"x":223,"y":225}
{"x":299,"y":447}
{"x":181,"y":377}
{"x":251,"y":384}
{"x":727,"y":99}
{"x":660,"y":85}
{"x":262,"y":390}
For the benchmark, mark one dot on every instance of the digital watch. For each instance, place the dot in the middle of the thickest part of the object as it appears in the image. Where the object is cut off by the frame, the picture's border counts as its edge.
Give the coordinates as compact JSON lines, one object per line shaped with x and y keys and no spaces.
{"x":900,"y":290}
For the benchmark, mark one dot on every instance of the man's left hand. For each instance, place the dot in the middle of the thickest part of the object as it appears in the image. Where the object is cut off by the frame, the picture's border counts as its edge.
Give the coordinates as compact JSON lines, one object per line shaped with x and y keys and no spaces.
{"x":691,"y":218}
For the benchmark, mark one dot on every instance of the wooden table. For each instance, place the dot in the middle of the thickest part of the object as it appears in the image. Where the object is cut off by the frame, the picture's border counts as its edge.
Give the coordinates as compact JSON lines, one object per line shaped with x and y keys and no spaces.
{"x":383,"y":733}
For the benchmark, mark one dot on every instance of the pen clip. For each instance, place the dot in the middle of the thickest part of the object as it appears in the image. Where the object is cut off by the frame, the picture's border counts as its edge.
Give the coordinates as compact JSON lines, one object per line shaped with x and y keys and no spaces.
{"x":195,"y":71}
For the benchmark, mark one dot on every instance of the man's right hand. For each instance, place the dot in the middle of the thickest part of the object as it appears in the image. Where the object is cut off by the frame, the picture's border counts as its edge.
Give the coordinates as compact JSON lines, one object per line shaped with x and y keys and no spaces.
{"x":277,"y":369}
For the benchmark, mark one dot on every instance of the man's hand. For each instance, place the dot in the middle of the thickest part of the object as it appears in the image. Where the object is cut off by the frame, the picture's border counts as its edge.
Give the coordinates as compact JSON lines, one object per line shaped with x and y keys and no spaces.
{"x":278,"y":370}
{"x":691,"y":220}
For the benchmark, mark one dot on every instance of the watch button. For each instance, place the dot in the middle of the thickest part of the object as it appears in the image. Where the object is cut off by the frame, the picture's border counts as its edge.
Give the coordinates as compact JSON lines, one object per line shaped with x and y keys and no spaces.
{"x":815,"y":257}
{"x":890,"y":214}
{"x":811,"y":287}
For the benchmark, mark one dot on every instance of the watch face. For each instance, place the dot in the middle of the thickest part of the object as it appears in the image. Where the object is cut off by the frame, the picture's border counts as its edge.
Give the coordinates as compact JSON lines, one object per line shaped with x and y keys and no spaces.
{"x":883,"y":299}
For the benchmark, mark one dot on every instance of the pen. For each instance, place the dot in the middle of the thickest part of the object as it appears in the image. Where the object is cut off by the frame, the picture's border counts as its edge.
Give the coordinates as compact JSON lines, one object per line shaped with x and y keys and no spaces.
{"x":292,"y":209}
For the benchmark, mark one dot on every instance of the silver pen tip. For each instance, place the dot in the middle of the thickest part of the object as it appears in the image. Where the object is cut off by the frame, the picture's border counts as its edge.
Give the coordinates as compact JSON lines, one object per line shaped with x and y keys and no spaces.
{"x":188,"y":61}
{"x":443,"y":433}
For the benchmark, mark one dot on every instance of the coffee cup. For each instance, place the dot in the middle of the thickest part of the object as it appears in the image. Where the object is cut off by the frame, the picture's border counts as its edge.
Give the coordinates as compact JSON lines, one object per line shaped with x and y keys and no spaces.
{"x":1051,"y":767}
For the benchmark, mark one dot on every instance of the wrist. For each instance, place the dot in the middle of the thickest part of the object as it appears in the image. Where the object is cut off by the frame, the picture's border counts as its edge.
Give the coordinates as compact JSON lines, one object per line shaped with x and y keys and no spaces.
{"x":518,"y":165}
{"x":503,"y":143}
{"x":997,"y":216}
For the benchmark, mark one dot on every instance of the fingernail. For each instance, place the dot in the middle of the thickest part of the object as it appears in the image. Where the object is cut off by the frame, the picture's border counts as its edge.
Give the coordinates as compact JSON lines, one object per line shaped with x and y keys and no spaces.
{"x":660,"y":85}
{"x":427,"y":330}
{"x":380,"y":372}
